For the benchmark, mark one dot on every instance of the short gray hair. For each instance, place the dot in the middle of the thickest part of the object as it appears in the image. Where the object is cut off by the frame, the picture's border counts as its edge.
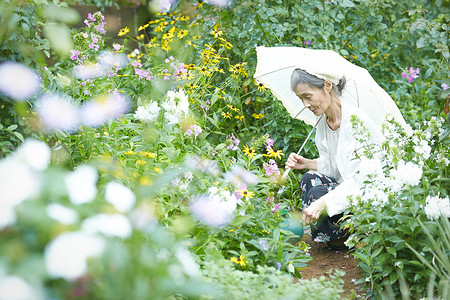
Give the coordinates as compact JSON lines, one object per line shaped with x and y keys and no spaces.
{"x":301,"y":76}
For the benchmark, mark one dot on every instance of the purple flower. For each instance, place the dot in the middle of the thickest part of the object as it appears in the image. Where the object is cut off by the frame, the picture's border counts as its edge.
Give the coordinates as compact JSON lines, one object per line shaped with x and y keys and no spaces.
{"x":271,"y":169}
{"x":233,"y":142}
{"x":412,"y":74}
{"x":309,"y":43}
{"x":269,"y":142}
{"x":264,"y":244}
{"x":275,"y":208}
{"x":116,"y":46}
{"x":444,"y":86}
{"x":74,"y":54}
{"x":278,"y":266}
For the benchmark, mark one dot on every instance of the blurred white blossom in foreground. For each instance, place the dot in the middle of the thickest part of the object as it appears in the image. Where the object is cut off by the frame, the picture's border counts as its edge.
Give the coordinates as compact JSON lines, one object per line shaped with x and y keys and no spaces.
{"x":18,"y":81}
{"x":115,"y":225}
{"x":98,"y":111}
{"x":112,"y":60}
{"x":120,"y":196}
{"x":218,"y":3}
{"x":436,"y":207}
{"x":62,"y":214}
{"x":15,"y":288}
{"x":81,"y":184}
{"x":215,"y":209}
{"x":88,"y":71}
{"x":56,"y":112}
{"x":239,"y":176}
{"x":20,"y":178}
{"x":148,"y":112}
{"x":66,"y":256}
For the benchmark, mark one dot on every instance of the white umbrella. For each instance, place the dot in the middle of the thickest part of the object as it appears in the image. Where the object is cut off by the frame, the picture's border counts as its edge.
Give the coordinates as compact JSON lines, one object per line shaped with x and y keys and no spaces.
{"x":276,"y":64}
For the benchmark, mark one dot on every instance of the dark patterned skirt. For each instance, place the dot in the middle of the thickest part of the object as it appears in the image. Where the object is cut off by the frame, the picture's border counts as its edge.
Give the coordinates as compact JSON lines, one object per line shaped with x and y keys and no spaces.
{"x":314,"y":185}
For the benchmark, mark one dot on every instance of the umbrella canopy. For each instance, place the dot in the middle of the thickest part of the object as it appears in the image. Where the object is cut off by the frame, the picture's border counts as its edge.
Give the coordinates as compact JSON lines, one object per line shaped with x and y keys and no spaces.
{"x":276,"y":64}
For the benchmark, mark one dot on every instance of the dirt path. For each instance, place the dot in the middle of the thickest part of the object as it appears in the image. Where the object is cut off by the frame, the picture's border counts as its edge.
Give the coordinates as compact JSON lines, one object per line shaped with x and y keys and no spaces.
{"x":326,"y":259}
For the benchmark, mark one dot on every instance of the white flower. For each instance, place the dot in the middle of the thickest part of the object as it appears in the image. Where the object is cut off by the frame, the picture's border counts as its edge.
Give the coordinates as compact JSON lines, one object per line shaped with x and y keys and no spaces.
{"x":62,"y":214}
{"x":407,"y":173}
{"x":215,"y":210}
{"x":15,"y":288}
{"x":436,"y":207}
{"x":18,"y":81}
{"x":34,"y":153}
{"x":423,"y":148}
{"x":66,"y":255}
{"x":218,"y":3}
{"x":116,"y":225}
{"x":57,"y":112}
{"x":172,"y":118}
{"x":81,"y":184}
{"x":112,"y":60}
{"x":190,"y":267}
{"x":96,"y":112}
{"x":120,"y":196}
{"x":238,"y":176}
{"x":88,"y":71}
{"x":18,"y":182}
{"x":371,"y":169}
{"x":148,"y":112}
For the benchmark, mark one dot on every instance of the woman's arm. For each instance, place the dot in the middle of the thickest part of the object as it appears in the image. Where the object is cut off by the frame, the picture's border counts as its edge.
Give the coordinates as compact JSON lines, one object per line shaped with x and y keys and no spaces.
{"x":299,"y":162}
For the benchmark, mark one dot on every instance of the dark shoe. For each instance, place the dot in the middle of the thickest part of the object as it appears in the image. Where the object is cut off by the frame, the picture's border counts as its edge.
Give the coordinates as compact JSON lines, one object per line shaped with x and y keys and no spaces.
{"x":338,"y":244}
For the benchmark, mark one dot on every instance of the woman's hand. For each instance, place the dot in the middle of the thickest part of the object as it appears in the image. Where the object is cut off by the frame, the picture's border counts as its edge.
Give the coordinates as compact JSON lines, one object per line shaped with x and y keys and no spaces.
{"x":313,"y":212}
{"x":298,"y":162}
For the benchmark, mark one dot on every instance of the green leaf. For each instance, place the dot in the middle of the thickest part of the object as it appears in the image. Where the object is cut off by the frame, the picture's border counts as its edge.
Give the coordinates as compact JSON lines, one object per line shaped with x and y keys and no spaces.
{"x":239,"y":220}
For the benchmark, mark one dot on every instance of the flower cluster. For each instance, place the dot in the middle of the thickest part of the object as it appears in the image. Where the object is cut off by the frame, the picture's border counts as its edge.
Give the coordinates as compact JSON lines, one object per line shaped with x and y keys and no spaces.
{"x":176,"y":105}
{"x":148,"y":112}
{"x":411,"y":74}
{"x":395,"y":164}
{"x":233,"y":142}
{"x":61,"y":113}
{"x":216,"y":208}
{"x":194,"y":130}
{"x":271,"y":169}
{"x":436,"y":207}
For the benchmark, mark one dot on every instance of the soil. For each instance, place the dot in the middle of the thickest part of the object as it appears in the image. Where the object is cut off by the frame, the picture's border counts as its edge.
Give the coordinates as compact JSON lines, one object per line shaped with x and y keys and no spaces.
{"x":325,"y":259}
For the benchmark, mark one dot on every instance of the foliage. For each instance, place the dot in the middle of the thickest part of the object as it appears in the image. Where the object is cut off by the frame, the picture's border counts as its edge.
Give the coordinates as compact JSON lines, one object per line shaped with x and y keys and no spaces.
{"x":266,"y":283}
{"x":389,"y":217}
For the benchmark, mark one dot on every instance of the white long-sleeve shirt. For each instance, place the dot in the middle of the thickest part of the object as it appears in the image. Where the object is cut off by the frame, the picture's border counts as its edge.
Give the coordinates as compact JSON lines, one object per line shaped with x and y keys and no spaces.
{"x":347,"y":164}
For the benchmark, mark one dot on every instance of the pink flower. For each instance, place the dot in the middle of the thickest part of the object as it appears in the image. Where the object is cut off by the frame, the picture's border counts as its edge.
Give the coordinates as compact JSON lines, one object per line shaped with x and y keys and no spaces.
{"x":412,"y":74}
{"x":444,"y":86}
{"x":74,"y":54}
{"x":117,"y":47}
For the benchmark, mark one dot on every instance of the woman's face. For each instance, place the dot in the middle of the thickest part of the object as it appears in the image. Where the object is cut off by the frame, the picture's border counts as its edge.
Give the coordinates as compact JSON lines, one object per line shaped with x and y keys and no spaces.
{"x":315,"y":99}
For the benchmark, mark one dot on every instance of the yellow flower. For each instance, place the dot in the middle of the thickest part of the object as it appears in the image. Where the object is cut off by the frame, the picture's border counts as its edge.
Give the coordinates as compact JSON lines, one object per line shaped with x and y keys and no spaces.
{"x":152,"y":45}
{"x":353,"y":56}
{"x":249,"y":151}
{"x":232,"y":107}
{"x":261,"y":87}
{"x":140,"y":37}
{"x":148,"y":154}
{"x":272,"y":153}
{"x":226,"y":115}
{"x":130,"y":152}
{"x":182,"y":33}
{"x":240,"y":260}
{"x":192,"y":44}
{"x":257,"y":116}
{"x":216,"y":183}
{"x":156,"y":169}
{"x":145,"y":181}
{"x":143,"y":27}
{"x":141,"y":162}
{"x":246,"y":193}
{"x":123,"y":31}
{"x":238,"y":69}
{"x":240,"y":118}
{"x":216,"y":31}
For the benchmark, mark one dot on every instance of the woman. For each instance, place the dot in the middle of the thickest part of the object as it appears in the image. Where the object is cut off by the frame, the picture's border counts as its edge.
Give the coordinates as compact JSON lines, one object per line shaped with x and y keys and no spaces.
{"x":326,"y":189}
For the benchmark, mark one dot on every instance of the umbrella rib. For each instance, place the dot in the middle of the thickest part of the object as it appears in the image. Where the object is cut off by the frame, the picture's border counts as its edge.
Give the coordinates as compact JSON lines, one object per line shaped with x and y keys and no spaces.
{"x":274,"y":71}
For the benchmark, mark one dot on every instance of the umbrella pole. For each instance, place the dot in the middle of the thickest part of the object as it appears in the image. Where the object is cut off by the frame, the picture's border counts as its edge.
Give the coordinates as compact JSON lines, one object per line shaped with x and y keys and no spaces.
{"x":286,"y":173}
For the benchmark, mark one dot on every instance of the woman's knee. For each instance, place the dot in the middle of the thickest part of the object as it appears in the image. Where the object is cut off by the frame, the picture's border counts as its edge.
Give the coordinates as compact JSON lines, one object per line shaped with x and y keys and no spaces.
{"x":307,"y":177}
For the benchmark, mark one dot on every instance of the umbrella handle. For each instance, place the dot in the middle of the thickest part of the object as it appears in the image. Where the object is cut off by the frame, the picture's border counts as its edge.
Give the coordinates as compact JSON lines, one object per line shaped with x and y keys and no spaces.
{"x":286,"y":173}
